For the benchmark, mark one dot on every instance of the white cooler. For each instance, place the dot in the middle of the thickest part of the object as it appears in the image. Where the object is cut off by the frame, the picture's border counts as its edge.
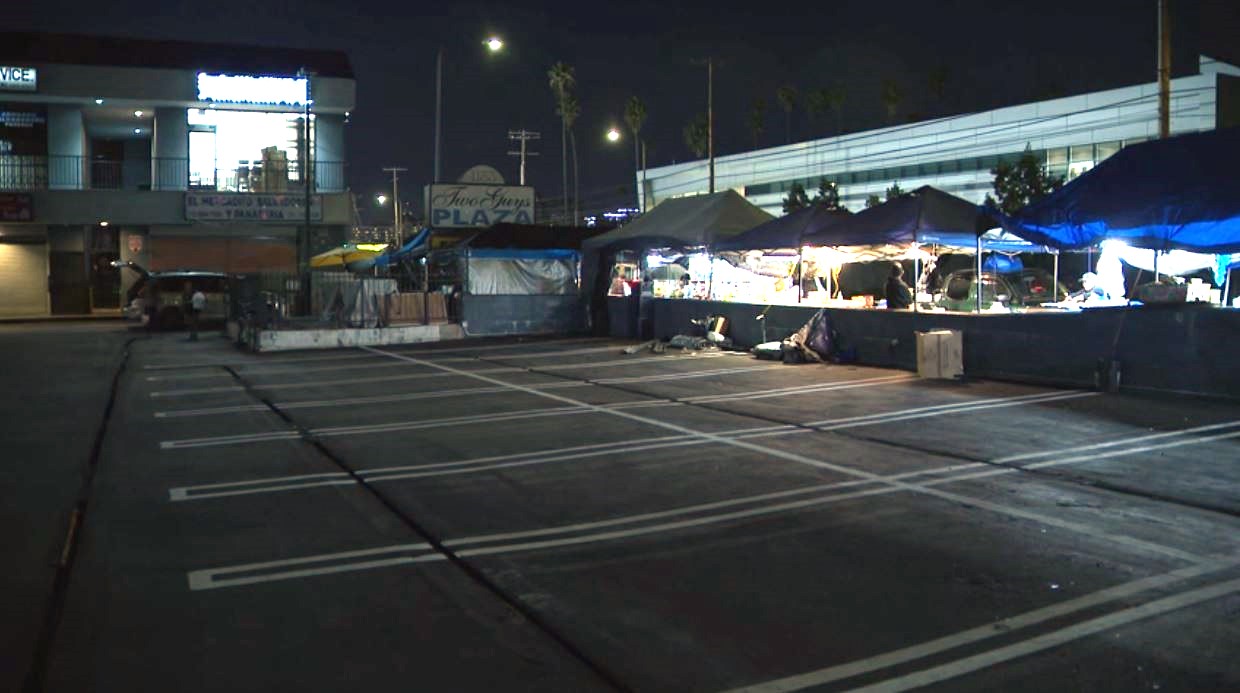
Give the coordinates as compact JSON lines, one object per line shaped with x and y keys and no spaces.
{"x":940,"y":354}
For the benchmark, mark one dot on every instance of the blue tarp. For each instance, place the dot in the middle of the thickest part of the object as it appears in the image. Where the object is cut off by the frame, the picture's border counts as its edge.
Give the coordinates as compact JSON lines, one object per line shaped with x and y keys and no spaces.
{"x":412,"y":247}
{"x":524,"y":253}
{"x":927,"y":215}
{"x":786,"y":231}
{"x":1181,"y":192}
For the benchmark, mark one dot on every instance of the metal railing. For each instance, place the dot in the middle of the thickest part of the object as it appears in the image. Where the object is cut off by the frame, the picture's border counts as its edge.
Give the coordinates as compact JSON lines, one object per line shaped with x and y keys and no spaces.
{"x":30,"y":173}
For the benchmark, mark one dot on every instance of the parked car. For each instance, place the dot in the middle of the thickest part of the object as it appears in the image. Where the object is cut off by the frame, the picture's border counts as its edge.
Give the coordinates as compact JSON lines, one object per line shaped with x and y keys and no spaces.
{"x":159,"y":298}
{"x":1021,"y":289}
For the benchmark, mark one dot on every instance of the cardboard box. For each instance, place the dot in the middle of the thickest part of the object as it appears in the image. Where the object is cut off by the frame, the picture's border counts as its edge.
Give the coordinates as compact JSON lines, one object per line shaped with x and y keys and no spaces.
{"x":940,"y":354}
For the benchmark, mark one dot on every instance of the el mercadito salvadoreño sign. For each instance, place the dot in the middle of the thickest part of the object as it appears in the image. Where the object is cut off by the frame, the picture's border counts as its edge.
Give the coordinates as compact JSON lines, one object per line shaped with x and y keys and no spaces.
{"x":251,"y":207}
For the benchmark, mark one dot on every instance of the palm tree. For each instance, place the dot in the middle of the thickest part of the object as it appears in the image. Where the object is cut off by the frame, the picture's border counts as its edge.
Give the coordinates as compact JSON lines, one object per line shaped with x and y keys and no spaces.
{"x":635,"y":117}
{"x":561,"y":78}
{"x":892,"y":97}
{"x":571,"y":110}
{"x":787,"y":98}
{"x":938,"y":86}
{"x":817,"y":102}
{"x":696,"y":135}
{"x":757,"y":120}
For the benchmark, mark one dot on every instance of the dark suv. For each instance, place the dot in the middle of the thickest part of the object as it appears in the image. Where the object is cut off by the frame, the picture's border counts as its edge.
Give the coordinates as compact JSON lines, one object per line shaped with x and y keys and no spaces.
{"x":157,"y":297}
{"x":1022,"y":289}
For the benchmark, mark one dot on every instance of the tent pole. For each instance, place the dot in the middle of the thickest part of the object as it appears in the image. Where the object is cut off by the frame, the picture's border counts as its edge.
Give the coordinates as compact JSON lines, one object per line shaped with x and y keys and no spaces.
{"x":977,"y":284}
{"x":710,"y":277}
{"x":1155,"y":266}
{"x":1226,"y":286}
{"x":1055,"y":286}
{"x":916,"y":280}
{"x":800,"y":272}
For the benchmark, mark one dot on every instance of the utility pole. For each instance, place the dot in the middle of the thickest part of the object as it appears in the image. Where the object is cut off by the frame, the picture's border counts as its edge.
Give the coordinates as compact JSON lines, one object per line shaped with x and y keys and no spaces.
{"x":395,"y":200}
{"x":523,"y":136}
{"x":1164,"y":69}
{"x":303,"y":243}
{"x":710,"y":118}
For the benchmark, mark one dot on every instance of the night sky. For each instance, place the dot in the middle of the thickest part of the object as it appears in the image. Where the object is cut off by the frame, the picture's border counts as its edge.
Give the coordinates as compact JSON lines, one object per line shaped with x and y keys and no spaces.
{"x":994,"y":53}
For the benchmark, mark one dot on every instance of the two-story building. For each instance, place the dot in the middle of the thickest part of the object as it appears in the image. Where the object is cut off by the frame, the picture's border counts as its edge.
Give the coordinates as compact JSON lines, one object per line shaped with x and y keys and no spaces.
{"x":168,"y":154}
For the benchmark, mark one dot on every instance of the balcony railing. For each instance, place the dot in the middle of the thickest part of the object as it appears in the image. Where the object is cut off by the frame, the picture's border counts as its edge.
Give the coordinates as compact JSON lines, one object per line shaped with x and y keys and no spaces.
{"x":29,"y":173}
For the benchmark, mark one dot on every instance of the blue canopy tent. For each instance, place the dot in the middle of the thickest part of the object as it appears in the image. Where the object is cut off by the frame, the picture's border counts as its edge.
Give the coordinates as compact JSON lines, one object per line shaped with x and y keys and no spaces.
{"x":927,"y":216}
{"x":786,"y":231}
{"x":417,"y":245}
{"x":1181,"y":192}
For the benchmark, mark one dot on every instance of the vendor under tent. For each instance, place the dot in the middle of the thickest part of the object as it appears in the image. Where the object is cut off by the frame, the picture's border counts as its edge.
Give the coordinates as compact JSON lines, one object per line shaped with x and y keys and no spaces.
{"x":679,"y":224}
{"x":1176,"y":193}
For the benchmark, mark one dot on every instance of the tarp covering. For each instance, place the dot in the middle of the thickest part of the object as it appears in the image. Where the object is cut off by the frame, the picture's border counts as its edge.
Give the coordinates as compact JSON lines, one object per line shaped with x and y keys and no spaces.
{"x":524,"y":276}
{"x":926,"y":215}
{"x":414,"y":247}
{"x":786,"y":231}
{"x":1181,"y":192}
{"x":685,"y":222}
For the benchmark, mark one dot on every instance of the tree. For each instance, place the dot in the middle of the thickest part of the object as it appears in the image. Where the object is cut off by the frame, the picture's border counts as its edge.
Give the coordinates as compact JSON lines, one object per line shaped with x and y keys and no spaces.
{"x":1022,"y":183}
{"x":787,"y":98}
{"x":828,"y":195}
{"x":817,"y":103}
{"x":635,"y":117}
{"x":572,"y":109}
{"x":872,"y":201}
{"x":892,"y":97}
{"x":796,"y":199}
{"x":561,"y":78}
{"x":696,"y":135}
{"x":757,"y":120}
{"x":894,"y":191}
{"x":938,"y":86}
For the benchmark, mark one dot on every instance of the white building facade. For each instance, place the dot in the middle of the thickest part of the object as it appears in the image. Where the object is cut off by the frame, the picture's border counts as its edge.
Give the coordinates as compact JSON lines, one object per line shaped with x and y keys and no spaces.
{"x":167,"y":154}
{"x":957,"y":153}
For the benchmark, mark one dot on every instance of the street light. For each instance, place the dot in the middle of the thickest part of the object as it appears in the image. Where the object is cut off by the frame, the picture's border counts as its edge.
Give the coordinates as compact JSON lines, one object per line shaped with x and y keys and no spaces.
{"x":613,"y":135}
{"x":494,"y":44}
{"x":381,"y":199}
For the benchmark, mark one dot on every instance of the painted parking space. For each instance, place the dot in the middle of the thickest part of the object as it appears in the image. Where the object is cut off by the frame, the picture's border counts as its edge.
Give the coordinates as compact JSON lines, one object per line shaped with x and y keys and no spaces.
{"x":695,"y":522}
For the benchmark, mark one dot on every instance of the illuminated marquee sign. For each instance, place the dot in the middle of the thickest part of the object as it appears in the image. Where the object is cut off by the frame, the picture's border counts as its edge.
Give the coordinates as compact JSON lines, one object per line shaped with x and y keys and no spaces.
{"x":18,"y":78}
{"x":289,"y":91}
{"x":462,"y":204}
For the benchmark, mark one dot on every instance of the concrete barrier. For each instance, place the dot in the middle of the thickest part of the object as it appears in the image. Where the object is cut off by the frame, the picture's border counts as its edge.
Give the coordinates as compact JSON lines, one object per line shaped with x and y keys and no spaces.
{"x":261,"y":340}
{"x":1184,"y":349}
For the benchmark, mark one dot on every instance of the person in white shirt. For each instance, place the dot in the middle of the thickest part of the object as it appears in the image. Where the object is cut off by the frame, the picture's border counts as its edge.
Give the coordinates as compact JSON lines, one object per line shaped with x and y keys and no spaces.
{"x":198,"y":303}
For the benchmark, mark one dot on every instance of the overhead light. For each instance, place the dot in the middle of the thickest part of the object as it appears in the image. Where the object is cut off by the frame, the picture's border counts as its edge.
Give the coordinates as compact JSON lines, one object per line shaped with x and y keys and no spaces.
{"x":98,"y":101}
{"x":137,"y":114}
{"x":103,"y":223}
{"x":137,"y":131}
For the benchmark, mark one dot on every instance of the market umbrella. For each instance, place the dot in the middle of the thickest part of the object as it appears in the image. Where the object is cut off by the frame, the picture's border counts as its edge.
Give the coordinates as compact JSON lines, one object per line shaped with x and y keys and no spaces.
{"x":350,"y":256}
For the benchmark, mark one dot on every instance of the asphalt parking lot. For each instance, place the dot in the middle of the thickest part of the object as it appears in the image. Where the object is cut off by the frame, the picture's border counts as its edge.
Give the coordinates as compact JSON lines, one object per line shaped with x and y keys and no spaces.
{"x":558,"y":515}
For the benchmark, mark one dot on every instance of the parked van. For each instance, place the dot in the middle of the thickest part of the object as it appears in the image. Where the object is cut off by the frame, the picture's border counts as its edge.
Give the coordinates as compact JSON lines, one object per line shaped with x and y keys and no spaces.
{"x":161,"y":299}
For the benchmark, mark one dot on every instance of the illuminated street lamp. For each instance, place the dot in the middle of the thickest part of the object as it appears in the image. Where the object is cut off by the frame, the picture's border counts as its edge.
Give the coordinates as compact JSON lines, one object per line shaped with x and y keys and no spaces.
{"x":613,"y":135}
{"x":494,"y":44}
{"x":381,"y":199}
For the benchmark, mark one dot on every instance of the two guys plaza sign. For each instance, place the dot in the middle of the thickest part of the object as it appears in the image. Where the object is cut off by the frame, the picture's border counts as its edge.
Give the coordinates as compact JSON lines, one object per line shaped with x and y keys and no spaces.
{"x":463,"y":204}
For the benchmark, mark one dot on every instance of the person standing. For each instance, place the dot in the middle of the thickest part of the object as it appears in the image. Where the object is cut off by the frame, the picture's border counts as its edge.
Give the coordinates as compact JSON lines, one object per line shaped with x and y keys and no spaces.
{"x":197,"y":304}
{"x":898,"y":293}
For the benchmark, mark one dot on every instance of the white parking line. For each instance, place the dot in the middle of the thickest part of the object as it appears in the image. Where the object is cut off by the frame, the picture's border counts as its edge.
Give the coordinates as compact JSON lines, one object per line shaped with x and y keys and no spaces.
{"x":580,"y":533}
{"x":218,"y":577}
{"x":904,"y":655}
{"x":1046,"y":641}
{"x":998,"y":508}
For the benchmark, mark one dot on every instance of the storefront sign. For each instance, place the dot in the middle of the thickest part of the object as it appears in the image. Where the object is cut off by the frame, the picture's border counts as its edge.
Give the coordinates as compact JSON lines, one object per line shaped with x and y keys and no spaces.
{"x":23,"y":132}
{"x":460,"y":204}
{"x":251,"y":207}
{"x":14,"y":78}
{"x":290,"y":91}
{"x":16,"y":207}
